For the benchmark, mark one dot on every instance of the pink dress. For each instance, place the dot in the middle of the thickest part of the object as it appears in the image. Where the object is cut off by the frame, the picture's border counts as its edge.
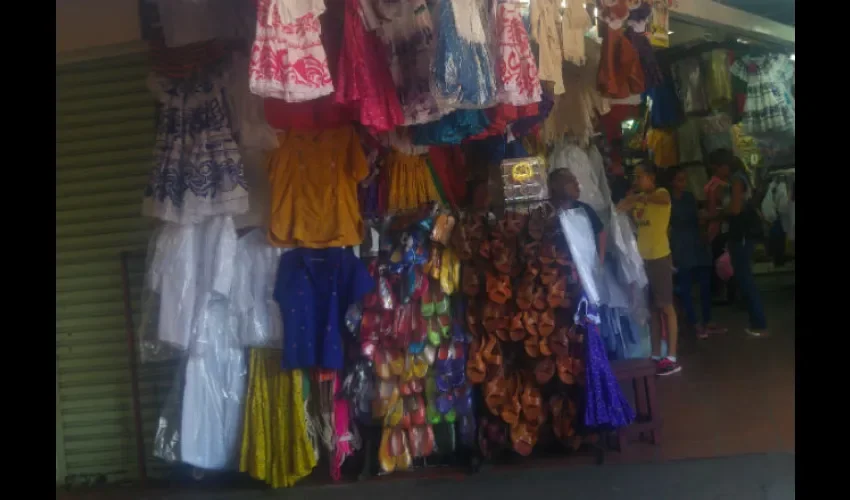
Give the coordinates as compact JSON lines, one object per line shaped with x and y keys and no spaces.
{"x":288,"y":60}
{"x":364,"y":81}
{"x":516,"y":72}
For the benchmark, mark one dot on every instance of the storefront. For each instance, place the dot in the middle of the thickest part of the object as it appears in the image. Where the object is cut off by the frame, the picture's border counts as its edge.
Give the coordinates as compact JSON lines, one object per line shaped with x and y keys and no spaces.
{"x":348,"y":258}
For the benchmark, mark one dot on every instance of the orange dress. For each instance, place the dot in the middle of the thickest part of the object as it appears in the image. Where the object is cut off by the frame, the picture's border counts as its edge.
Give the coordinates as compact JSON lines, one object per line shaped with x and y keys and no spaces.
{"x":620,"y":73}
{"x":313,"y":177}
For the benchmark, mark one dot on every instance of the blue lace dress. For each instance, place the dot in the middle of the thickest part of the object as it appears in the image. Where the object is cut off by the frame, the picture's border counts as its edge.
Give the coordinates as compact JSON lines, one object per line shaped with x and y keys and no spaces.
{"x":197,"y":170}
{"x":463,"y":72}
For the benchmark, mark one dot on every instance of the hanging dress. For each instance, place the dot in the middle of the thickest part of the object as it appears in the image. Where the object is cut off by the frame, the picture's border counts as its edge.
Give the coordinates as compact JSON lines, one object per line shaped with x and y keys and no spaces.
{"x":408,"y":34}
{"x":576,"y":22}
{"x":363,"y":80}
{"x":516,"y":71}
{"x":605,"y":406}
{"x":770,"y":106}
{"x":544,"y":31}
{"x":462,"y":71}
{"x":636,"y":33}
{"x":197,"y":170}
{"x":276,"y":448}
{"x":288,"y":60}
{"x":620,"y":74}
{"x":253,"y":284}
{"x":410,"y":182}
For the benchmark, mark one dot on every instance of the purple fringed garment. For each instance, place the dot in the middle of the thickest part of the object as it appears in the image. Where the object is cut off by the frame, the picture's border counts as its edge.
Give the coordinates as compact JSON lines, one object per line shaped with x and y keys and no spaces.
{"x":606,"y":406}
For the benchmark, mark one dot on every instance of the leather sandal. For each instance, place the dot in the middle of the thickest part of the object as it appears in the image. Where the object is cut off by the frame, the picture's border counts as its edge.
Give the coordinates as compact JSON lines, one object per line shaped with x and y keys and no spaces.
{"x":492,"y":352}
{"x":549,"y":275}
{"x":512,"y":406}
{"x":525,"y":294}
{"x":523,"y":439}
{"x":532,"y":346}
{"x":492,"y":317}
{"x":517,"y":330}
{"x":565,"y":370}
{"x":385,"y":458}
{"x":471,"y":281}
{"x":544,"y":371}
{"x":499,"y":288}
{"x":529,"y":319}
{"x":503,"y":257}
{"x":495,"y":394}
{"x":545,"y":351}
{"x":538,"y":301}
{"x":557,"y":295}
{"x":546,"y":323}
{"x":547,"y":253}
{"x":476,"y":368}
{"x":531,"y":401}
{"x":559,"y":342}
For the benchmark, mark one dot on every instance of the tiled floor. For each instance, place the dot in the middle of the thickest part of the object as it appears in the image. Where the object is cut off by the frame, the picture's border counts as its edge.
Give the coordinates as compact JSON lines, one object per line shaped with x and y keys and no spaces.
{"x":735,"y":394}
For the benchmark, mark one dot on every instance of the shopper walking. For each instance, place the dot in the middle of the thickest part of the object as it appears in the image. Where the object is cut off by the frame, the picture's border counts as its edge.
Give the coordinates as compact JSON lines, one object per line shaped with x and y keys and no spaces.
{"x":745,"y":226}
{"x":691,"y":255}
{"x":650,"y":207}
{"x":716,"y":191}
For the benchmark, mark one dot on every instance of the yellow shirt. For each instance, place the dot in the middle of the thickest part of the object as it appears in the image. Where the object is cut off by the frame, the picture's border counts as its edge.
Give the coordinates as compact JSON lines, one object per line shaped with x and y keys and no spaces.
{"x":313,"y":177}
{"x":652,"y":222}
{"x":662,"y":143}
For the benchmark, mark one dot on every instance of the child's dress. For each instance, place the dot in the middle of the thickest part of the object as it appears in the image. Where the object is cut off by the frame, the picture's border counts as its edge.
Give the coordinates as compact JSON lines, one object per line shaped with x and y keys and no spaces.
{"x":363,"y":80}
{"x":516,"y":70}
{"x":770,"y":105}
{"x":463,"y":75}
{"x":288,"y":60}
{"x":197,"y":170}
{"x":408,"y":33}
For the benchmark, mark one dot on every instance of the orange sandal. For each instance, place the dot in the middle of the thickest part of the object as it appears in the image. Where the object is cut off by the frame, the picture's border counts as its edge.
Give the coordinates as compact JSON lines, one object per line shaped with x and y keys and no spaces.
{"x":546,"y":323}
{"x":548,"y":275}
{"x":517,"y":332}
{"x":532,"y":402}
{"x":539,"y":301}
{"x":525,"y":294}
{"x":495,"y":394}
{"x":558,"y":293}
{"x":559,"y":342}
{"x":544,"y":371}
{"x":523,"y":439}
{"x":492,"y":352}
{"x":476,"y":368}
{"x":529,"y":319}
{"x":512,"y":407}
{"x":532,"y":346}
{"x":499,"y":288}
{"x":493,"y":317}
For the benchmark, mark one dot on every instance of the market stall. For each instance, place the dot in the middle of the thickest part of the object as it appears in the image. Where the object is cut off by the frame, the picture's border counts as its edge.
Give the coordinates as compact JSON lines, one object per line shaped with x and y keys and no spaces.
{"x":358,"y":256}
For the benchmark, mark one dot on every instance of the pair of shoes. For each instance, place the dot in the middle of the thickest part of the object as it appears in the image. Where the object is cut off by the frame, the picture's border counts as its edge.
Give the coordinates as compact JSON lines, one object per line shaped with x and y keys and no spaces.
{"x":756,"y":333}
{"x":667,"y":367}
{"x":701,"y":332}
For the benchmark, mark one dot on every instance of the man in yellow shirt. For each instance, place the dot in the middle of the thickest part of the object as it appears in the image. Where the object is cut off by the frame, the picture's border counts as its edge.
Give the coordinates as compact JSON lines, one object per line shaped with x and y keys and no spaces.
{"x":650,"y":208}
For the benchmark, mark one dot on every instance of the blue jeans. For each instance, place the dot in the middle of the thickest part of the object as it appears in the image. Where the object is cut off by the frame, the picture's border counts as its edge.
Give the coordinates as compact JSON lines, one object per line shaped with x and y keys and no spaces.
{"x":741,"y":255}
{"x":685,"y":279}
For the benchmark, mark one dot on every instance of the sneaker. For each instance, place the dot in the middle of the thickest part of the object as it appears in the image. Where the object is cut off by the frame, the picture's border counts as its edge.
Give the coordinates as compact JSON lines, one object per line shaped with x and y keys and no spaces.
{"x":756,"y":333}
{"x":701,"y":332}
{"x":667,"y":367}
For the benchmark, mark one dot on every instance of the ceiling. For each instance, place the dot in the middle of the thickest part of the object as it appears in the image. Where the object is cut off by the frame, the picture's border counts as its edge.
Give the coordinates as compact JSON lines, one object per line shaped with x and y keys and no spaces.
{"x":781,"y":11}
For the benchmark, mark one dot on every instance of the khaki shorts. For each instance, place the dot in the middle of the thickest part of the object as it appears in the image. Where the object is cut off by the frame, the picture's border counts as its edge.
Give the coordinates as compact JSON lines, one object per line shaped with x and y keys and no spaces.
{"x":659,"y":272}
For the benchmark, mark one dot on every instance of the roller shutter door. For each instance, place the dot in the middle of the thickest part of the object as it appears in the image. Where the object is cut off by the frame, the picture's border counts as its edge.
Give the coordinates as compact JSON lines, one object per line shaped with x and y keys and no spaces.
{"x":105,"y":132}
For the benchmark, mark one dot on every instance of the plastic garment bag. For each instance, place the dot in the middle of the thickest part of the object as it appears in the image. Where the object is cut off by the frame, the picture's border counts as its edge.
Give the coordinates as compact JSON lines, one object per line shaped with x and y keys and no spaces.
{"x":580,"y":238}
{"x":166,"y":441}
{"x":631,"y":274}
{"x":255,"y":268}
{"x":214,"y":393}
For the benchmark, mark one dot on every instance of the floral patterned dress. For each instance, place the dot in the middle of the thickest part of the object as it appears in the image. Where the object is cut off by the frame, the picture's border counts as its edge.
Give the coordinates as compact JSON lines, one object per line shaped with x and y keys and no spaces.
{"x":288,"y":60}
{"x":516,"y":71}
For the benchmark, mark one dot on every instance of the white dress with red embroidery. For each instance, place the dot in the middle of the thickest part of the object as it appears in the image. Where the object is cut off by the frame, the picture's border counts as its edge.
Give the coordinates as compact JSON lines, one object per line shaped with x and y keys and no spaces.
{"x":288,"y":60}
{"x":516,"y":72}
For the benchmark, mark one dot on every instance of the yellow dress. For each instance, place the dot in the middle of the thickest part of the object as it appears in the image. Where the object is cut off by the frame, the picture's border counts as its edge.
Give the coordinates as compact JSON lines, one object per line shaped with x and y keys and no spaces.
{"x":313,"y":178}
{"x":662,"y":143}
{"x":275,"y":445}
{"x":410,"y":181}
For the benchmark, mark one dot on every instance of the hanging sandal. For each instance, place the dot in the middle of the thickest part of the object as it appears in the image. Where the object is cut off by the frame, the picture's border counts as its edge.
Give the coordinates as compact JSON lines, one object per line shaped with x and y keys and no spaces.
{"x":476,"y":368}
{"x":493,"y":317}
{"x":499,"y":288}
{"x":471,"y":281}
{"x":548,"y":275}
{"x":517,"y":331}
{"x":565,"y":370}
{"x":512,"y":406}
{"x":385,"y":459}
{"x":546,"y":323}
{"x":525,"y":294}
{"x":434,"y":332}
{"x":557,"y":295}
{"x":559,"y":342}
{"x":529,"y":319}
{"x":544,"y":371}
{"x":492,"y":352}
{"x":531,"y":401}
{"x":532,"y":346}
{"x":522,"y":439}
{"x":495,"y":394}
{"x":538,"y":299}
{"x":545,"y":351}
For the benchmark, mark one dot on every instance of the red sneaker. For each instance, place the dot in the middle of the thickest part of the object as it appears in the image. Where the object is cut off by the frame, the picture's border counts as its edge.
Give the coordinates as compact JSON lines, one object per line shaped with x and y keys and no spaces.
{"x":667,"y":367}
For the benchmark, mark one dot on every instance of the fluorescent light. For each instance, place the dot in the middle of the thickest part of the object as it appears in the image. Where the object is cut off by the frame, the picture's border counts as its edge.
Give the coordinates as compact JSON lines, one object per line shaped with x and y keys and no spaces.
{"x":670,"y":32}
{"x":741,"y":40}
{"x":793,"y":58}
{"x":596,"y":12}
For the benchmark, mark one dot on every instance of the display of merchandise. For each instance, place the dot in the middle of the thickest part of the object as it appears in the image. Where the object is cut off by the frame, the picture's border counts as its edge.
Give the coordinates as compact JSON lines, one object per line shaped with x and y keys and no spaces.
{"x":357,"y":267}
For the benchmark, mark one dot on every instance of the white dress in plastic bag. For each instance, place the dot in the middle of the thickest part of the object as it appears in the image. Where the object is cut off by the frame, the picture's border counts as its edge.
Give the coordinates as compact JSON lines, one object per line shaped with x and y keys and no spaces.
{"x":582,"y":243}
{"x":631,"y":272}
{"x":251,"y":297}
{"x":216,"y":370}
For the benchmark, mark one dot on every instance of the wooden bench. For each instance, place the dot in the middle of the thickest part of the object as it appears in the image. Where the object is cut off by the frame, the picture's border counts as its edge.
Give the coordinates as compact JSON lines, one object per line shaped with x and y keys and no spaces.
{"x":641,"y":373}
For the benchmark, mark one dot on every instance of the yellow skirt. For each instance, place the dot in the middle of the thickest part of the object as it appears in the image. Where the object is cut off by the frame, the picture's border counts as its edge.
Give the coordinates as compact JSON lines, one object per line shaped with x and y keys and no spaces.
{"x":275,"y":445}
{"x":410,"y":181}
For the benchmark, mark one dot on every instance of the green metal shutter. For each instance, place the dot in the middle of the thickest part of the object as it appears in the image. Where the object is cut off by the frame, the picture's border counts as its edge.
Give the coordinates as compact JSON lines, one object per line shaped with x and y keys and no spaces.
{"x":105,"y":131}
